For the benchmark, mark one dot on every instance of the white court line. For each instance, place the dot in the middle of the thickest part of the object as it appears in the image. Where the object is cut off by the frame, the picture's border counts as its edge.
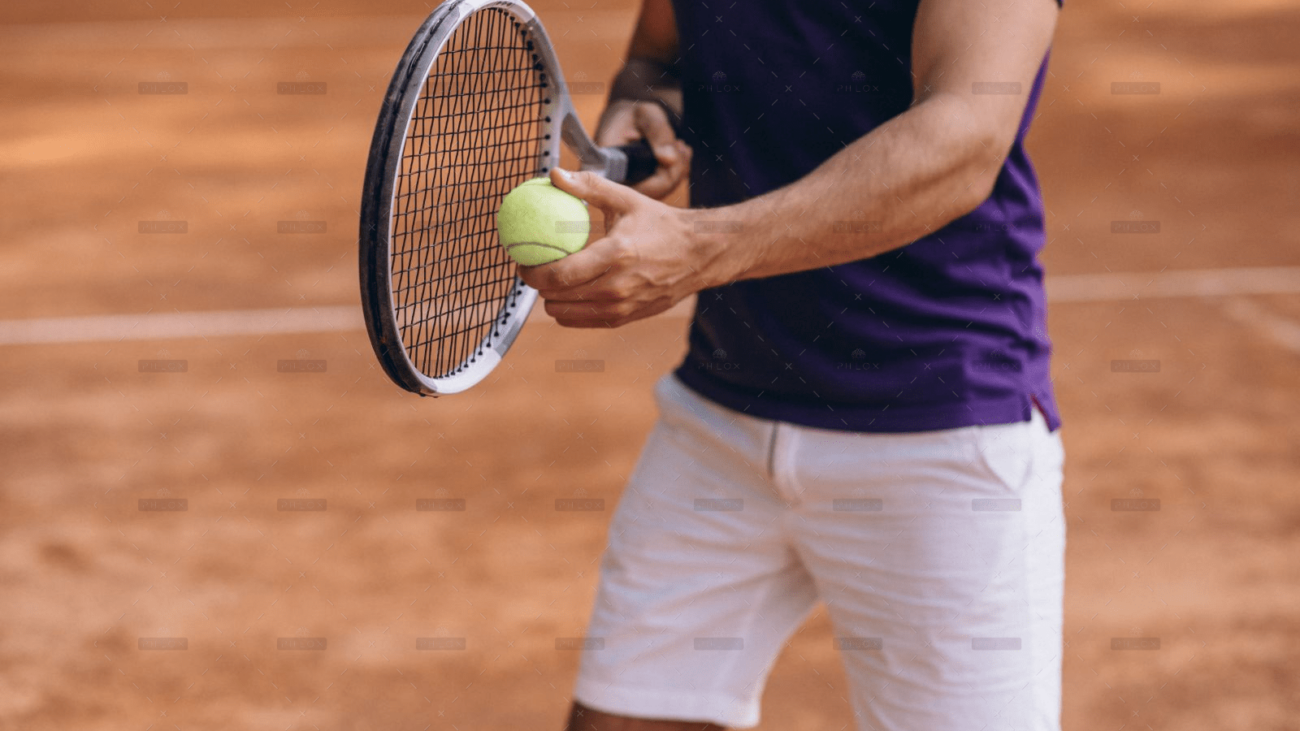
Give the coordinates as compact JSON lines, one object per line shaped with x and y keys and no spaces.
{"x":1173,"y":283}
{"x":347,"y":318}
{"x":1282,"y":330}
{"x":171,"y":325}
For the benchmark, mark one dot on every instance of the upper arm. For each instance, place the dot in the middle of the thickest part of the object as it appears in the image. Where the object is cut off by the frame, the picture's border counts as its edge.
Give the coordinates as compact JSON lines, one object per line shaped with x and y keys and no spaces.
{"x":655,"y":37}
{"x":986,"y":53}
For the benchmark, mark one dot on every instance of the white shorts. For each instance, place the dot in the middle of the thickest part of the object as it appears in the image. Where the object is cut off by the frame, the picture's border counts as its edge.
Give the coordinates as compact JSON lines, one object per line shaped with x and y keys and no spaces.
{"x":939,"y":555}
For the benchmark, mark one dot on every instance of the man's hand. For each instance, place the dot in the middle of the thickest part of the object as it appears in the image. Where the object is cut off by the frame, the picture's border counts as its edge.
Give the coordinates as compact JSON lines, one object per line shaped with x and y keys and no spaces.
{"x":648,"y":260}
{"x":626,"y":121}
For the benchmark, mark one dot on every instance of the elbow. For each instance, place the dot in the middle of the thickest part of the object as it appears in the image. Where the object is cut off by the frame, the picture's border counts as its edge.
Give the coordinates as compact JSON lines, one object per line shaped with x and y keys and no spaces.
{"x":987,"y":153}
{"x":978,"y":188}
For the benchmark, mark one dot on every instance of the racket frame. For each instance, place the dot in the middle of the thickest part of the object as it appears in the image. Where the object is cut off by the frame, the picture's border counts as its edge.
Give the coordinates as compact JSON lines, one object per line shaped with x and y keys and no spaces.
{"x":384,"y":167}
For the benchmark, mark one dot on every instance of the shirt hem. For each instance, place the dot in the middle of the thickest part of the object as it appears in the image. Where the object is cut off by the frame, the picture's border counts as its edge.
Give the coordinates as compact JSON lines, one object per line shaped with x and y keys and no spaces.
{"x":900,"y":419}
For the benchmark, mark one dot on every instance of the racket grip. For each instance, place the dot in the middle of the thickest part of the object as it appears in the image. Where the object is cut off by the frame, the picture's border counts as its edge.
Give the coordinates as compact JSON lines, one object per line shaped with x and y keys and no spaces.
{"x":641,"y":162}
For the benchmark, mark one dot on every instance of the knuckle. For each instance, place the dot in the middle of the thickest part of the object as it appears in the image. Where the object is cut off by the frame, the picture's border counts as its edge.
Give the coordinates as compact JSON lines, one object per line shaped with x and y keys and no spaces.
{"x":558,"y":309}
{"x":653,"y":111}
{"x":618,"y":293}
{"x":623,"y":251}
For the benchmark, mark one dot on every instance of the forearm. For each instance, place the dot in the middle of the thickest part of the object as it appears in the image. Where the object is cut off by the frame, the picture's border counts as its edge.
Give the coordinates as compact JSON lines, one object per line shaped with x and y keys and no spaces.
{"x":908,"y":177}
{"x":650,"y":72}
{"x":647,"y":79}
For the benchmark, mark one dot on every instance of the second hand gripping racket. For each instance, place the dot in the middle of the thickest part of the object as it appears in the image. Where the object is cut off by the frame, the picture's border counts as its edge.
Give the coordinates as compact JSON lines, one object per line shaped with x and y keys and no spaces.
{"x":476,"y":106}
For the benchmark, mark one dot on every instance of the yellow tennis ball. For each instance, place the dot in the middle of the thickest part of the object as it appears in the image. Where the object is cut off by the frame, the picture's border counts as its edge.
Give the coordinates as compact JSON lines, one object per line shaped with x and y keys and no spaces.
{"x":540,"y":223}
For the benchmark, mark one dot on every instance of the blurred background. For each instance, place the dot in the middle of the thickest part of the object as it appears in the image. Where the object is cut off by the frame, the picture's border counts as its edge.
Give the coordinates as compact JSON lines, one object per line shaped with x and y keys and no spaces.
{"x":216,"y":512}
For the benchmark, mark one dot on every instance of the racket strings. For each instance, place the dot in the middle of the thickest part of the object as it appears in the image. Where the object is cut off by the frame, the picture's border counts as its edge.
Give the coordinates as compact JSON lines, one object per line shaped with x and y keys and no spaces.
{"x":475,"y":134}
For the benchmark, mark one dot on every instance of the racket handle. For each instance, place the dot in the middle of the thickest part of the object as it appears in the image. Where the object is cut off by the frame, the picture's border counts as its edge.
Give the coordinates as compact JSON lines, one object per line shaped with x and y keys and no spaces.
{"x":641,"y":162}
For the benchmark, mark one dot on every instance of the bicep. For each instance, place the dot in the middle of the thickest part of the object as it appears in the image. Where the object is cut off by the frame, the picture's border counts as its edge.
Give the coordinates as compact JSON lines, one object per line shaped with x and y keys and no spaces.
{"x":655,"y":37}
{"x":987,"y":53}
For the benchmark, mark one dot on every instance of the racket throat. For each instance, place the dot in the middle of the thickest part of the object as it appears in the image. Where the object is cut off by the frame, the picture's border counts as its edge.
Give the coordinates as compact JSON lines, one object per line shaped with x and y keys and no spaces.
{"x":608,"y":162}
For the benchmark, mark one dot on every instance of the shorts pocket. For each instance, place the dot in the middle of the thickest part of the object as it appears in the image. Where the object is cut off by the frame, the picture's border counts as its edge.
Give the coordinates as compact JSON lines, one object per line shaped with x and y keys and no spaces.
{"x":676,"y":409}
{"x":1006,"y":452}
{"x":686,"y":416}
{"x":680,"y":406}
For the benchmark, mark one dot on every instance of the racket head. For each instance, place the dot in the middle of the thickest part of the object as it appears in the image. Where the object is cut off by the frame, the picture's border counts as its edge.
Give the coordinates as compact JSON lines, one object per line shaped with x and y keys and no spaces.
{"x":476,"y":106}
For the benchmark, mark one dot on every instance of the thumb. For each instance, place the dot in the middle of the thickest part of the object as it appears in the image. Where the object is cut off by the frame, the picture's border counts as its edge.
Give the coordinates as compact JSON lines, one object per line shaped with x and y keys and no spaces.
{"x":596,"y":190}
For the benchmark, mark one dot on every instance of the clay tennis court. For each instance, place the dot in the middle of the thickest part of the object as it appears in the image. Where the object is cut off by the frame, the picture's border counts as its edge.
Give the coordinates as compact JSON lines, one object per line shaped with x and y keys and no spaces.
{"x":234,"y":520}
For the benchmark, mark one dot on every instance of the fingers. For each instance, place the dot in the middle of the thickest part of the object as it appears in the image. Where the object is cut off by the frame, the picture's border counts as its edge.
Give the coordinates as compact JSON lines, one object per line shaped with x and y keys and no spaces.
{"x":593,"y":261}
{"x":597,"y":191}
{"x":625,"y":121}
{"x":618,"y":124}
{"x":592,"y":289}
{"x":673,"y":169}
{"x":652,"y":122}
{"x":573,"y":271}
{"x":673,"y":155}
{"x":604,"y":314}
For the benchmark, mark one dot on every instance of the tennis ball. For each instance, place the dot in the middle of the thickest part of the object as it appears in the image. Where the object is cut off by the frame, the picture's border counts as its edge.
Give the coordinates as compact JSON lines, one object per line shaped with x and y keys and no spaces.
{"x":540,"y":223}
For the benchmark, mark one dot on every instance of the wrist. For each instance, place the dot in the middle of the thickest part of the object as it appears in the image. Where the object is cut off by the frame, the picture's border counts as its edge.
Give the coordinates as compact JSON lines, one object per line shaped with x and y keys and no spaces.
{"x":645,"y":79}
{"x":714,"y":237}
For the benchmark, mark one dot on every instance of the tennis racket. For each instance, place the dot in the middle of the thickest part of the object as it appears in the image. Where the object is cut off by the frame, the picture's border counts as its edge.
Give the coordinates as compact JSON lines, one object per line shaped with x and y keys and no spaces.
{"x":476,"y":106}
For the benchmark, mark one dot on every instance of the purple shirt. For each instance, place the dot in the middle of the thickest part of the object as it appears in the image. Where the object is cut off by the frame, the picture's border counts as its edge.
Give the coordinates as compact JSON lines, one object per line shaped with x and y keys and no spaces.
{"x":948,"y":331}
